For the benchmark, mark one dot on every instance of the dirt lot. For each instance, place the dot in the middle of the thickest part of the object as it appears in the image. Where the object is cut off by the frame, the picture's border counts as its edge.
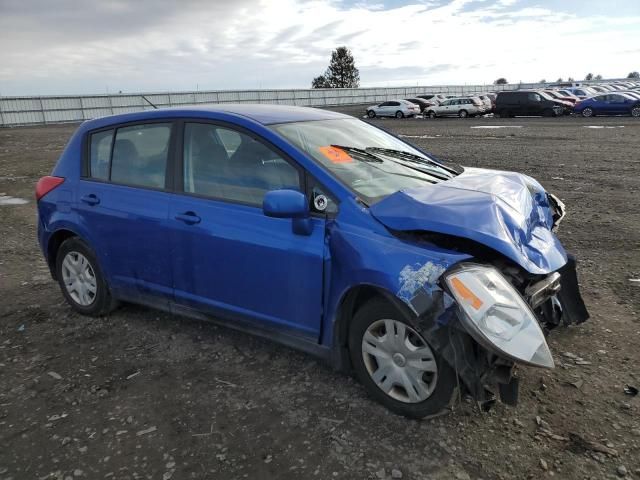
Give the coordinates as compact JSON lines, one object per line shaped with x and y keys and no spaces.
{"x":141,"y":394}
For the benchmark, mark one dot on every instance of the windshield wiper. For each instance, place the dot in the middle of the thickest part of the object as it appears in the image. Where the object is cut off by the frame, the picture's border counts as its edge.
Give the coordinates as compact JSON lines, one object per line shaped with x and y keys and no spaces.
{"x":413,"y":158}
{"x":414,"y":162}
{"x":369,"y":157}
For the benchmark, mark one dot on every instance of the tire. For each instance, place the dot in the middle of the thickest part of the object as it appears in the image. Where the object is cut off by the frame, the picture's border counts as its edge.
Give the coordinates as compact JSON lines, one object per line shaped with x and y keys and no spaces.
{"x":431,"y":114}
{"x":635,"y":112}
{"x":399,"y":114}
{"x":371,"y":114}
{"x":438,"y":386}
{"x":587,"y":112}
{"x":75,"y":252}
{"x":463,"y":114}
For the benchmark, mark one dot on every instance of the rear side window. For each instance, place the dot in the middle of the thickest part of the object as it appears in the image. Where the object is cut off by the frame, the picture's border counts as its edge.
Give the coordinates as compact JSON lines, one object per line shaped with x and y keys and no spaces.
{"x":140,"y":155}
{"x":100,"y":154}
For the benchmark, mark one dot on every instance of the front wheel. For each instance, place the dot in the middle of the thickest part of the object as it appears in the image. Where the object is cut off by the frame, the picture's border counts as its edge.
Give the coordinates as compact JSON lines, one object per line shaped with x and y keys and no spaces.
{"x":635,"y":112}
{"x":371,"y":114}
{"x":81,"y":279}
{"x":399,"y":114}
{"x":587,"y":112}
{"x":432,"y":114}
{"x":396,"y":365}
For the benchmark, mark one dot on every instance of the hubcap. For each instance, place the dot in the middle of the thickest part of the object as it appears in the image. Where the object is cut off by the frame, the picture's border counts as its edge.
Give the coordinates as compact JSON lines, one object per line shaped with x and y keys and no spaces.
{"x":79,"y":278}
{"x":635,"y":112}
{"x":399,"y":361}
{"x":587,"y":112}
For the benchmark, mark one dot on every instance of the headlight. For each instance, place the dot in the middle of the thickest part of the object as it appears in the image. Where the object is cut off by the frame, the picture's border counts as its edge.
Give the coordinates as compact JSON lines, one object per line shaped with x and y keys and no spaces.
{"x":497,"y":316}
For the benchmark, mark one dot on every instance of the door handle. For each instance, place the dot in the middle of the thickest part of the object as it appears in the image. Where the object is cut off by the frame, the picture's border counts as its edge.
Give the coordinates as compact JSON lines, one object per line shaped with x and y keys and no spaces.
{"x":189,"y":218}
{"x":90,"y":199}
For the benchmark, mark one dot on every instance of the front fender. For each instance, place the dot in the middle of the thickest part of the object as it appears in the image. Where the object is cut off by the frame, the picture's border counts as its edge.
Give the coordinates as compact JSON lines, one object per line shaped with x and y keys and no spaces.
{"x":407,"y":272}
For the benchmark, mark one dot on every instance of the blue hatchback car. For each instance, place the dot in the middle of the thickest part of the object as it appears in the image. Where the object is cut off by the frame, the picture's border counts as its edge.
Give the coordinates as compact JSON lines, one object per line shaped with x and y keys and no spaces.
{"x":322,"y":232}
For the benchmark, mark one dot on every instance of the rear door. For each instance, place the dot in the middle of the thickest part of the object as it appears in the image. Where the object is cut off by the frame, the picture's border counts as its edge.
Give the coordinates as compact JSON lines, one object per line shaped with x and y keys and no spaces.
{"x":123,"y":201}
{"x":230,"y":259}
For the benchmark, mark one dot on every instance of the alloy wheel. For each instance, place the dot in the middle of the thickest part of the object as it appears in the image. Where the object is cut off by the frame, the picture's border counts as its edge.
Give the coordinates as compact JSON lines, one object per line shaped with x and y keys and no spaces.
{"x":587,"y":112}
{"x":399,"y":361}
{"x":635,"y":112}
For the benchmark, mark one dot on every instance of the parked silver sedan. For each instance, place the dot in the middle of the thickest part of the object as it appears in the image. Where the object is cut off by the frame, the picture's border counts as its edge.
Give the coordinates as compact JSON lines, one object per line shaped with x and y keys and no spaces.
{"x":394,"y":108}
{"x":458,"y":107}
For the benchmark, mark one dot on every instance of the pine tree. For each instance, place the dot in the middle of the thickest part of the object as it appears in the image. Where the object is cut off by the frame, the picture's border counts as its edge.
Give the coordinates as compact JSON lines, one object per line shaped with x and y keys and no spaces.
{"x":341,"y":73}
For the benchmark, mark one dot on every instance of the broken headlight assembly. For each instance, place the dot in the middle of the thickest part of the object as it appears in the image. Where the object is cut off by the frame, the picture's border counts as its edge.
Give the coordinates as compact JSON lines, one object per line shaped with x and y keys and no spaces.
{"x":496,"y":315}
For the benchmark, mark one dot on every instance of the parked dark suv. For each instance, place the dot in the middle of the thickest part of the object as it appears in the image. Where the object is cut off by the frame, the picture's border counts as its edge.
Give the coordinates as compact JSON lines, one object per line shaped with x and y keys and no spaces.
{"x":510,"y":104}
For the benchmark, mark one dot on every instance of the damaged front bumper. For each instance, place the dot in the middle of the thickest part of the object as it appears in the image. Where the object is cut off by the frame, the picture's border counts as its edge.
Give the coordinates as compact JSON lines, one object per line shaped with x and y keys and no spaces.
{"x":484,"y":371}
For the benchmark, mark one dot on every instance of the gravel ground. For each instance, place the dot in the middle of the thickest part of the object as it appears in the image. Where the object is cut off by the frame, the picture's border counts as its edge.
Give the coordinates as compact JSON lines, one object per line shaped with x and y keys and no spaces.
{"x":142,"y":394}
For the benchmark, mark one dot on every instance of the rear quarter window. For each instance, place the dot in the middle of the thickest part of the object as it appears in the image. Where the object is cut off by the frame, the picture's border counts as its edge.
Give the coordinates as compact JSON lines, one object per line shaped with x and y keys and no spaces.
{"x":100,"y":154}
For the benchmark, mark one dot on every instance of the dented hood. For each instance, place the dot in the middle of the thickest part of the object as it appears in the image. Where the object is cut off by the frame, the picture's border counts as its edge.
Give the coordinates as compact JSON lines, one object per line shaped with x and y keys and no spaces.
{"x":508,"y":212}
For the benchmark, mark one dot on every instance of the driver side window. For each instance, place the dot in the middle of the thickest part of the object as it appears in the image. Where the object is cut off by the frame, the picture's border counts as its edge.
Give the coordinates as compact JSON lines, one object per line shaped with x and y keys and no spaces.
{"x":227,"y":164}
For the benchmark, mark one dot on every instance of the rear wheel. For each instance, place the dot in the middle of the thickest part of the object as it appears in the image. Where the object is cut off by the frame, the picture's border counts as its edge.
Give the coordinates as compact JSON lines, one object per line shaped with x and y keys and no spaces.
{"x":463,"y":114}
{"x":81,"y":279}
{"x":587,"y":112}
{"x":396,"y":365}
{"x":371,"y":114}
{"x":635,"y":112}
{"x":399,"y":114}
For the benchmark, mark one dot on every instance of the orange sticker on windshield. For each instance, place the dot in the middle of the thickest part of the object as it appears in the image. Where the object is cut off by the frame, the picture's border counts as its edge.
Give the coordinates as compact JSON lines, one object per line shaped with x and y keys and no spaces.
{"x":335,"y":155}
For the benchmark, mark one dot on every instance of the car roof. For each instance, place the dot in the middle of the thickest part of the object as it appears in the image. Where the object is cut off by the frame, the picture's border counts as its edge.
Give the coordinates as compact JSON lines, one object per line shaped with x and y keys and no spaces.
{"x":261,"y":113}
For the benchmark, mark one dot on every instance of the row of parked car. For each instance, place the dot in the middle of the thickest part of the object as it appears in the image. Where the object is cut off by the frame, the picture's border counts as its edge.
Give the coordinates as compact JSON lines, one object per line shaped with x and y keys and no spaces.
{"x":619,"y":98}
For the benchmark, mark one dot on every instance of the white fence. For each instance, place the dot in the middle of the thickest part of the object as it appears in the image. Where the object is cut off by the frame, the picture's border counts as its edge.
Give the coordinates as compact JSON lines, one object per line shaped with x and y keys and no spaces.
{"x":77,"y":108}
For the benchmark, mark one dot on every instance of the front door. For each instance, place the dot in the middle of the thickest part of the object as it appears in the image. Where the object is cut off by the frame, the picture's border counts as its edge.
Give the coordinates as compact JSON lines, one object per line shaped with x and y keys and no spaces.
{"x":230,"y":259}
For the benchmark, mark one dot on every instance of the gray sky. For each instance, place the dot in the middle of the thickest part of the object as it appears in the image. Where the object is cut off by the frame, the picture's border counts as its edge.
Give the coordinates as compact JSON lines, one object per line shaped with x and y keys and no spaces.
{"x":65,"y":46}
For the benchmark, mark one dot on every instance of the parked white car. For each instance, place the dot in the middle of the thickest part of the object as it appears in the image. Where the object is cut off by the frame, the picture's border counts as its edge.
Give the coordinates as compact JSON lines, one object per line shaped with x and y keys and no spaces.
{"x":486,"y":100}
{"x":458,"y":107}
{"x":394,"y":108}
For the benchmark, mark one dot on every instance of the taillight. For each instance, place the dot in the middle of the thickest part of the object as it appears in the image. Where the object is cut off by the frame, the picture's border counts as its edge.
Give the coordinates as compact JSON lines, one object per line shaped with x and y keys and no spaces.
{"x":46,"y":184}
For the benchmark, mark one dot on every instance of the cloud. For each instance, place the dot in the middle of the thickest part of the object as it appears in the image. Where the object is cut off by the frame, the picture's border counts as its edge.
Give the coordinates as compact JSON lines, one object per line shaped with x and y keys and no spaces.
{"x":149,"y":45}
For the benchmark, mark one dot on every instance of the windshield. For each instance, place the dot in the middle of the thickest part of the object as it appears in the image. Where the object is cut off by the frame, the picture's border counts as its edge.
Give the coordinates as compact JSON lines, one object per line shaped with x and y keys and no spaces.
{"x":366,"y":159}
{"x":545,"y":95}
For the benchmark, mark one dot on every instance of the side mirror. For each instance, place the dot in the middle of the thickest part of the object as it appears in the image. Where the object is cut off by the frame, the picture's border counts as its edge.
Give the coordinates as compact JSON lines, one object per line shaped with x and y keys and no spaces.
{"x":289,"y":204}
{"x":285,"y":204}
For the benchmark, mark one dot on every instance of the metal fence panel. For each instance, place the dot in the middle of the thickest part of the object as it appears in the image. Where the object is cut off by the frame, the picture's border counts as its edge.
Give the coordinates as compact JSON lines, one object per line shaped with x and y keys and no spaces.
{"x":75,"y":108}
